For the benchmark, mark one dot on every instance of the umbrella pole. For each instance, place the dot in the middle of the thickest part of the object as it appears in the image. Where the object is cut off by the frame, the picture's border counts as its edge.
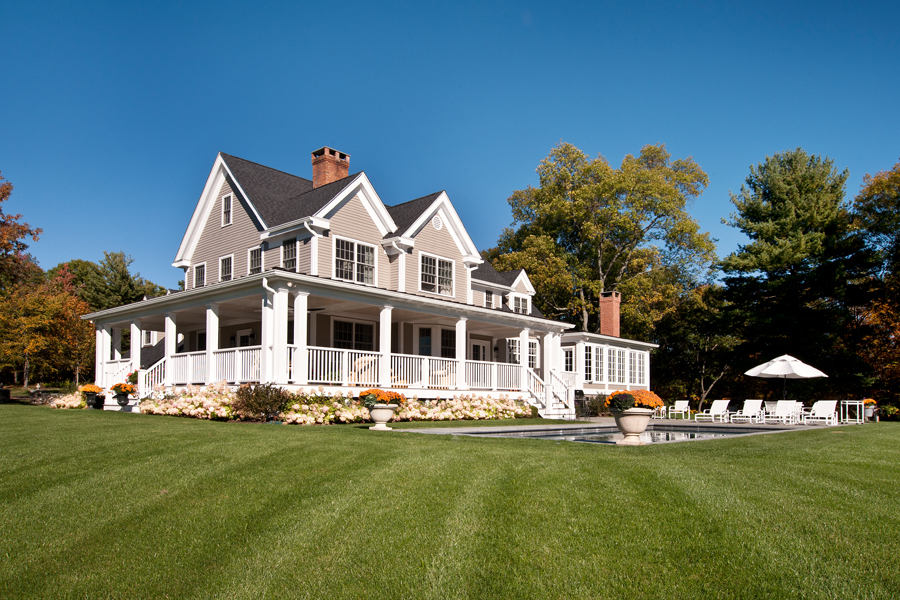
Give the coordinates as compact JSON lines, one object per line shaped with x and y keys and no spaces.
{"x":784,"y":390}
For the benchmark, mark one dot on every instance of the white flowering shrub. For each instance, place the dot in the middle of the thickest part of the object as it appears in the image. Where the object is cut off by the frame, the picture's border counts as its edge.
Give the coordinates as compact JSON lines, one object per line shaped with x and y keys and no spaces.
{"x":69,"y":401}
{"x":316,"y":407}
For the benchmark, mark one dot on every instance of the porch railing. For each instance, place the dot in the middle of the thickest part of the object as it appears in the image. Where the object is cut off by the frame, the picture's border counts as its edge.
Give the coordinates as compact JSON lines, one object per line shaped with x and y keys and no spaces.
{"x":337,"y":366}
{"x":116,"y":370}
{"x":189,"y":368}
{"x":237,"y":365}
{"x":152,"y":377}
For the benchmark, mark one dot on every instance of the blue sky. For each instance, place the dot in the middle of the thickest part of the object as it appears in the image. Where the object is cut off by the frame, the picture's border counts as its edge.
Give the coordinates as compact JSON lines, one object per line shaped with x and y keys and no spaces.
{"x":113,"y":112}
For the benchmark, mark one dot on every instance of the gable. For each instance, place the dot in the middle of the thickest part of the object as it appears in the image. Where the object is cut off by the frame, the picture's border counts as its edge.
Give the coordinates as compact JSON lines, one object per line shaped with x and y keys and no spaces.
{"x":443,"y":209}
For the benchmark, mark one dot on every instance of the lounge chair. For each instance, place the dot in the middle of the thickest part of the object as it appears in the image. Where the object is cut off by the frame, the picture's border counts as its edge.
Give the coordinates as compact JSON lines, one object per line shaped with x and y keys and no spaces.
{"x":823,"y":410}
{"x":752,"y":412}
{"x":659,"y":412}
{"x":681,"y":407}
{"x":785,"y":412}
{"x":718,"y":410}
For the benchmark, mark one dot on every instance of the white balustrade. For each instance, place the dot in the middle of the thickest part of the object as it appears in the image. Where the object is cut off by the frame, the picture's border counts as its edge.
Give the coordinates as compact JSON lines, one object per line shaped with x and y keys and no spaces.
{"x":509,"y":377}
{"x":480,"y":375}
{"x":408,"y":371}
{"x":152,"y":377}
{"x":442,"y":373}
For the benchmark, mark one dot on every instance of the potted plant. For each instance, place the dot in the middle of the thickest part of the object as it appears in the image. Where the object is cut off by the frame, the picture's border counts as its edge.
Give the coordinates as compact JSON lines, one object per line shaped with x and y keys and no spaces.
{"x":869,"y":406}
{"x":632,"y":411}
{"x":91,"y":393}
{"x":132,"y":378}
{"x":381,"y":405}
{"x":121,"y":391}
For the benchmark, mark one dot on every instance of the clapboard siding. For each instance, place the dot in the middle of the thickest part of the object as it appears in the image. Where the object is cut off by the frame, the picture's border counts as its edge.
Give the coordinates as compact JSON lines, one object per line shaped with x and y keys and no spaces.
{"x":351,"y":221}
{"x":441,"y":244}
{"x":520,"y":287}
{"x":304,"y":252}
{"x":217,"y":241}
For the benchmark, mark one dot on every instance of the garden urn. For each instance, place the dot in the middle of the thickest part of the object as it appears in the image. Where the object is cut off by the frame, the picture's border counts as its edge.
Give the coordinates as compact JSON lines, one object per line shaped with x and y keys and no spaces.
{"x":381,"y":414}
{"x":632,"y":423}
{"x":122,"y":399}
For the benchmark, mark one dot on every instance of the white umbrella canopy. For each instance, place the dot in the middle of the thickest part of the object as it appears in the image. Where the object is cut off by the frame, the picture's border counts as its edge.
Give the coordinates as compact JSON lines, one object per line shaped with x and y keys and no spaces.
{"x":786,"y":367}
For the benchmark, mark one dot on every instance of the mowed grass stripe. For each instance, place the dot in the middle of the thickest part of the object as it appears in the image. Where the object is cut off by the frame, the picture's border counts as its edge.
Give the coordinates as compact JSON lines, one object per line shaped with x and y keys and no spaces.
{"x":112,"y":505}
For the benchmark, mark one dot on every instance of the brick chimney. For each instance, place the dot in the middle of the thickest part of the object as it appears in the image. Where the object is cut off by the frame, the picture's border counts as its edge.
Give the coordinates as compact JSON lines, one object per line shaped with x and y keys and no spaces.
{"x":609,"y":313}
{"x":329,"y":165}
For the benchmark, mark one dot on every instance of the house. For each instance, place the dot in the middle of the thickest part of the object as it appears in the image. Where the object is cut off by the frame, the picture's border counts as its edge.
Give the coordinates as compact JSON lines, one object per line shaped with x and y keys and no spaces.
{"x":318,"y":282}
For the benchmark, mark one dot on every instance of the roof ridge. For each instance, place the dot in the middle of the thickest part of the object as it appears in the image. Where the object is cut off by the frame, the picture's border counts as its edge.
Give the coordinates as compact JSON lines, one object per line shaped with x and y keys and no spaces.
{"x":417,"y":199}
{"x":326,"y":185}
{"x":264,"y":166}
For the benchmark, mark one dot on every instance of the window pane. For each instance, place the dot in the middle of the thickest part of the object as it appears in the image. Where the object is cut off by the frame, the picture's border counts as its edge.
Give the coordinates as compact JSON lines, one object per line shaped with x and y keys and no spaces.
{"x":445,"y":277}
{"x":225,"y":269}
{"x":448,"y":343}
{"x":343,"y":259}
{"x":289,"y":254}
{"x":365,"y":268}
{"x":425,"y":341}
{"x":429,"y":274}
{"x":343,"y":335}
{"x":199,"y":276}
{"x":365,"y":337}
{"x":226,"y":210}
{"x":255,"y":260}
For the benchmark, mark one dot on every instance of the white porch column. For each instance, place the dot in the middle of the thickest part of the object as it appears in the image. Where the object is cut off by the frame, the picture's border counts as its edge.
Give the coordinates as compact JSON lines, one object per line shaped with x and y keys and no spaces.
{"x":384,"y":346}
{"x":314,"y":255}
{"x":548,"y":359}
{"x":401,"y":273}
{"x":117,"y":343}
{"x":171,"y":344}
{"x":212,"y":342}
{"x":579,"y":365}
{"x":523,"y":359}
{"x":265,"y":337}
{"x":279,"y":335}
{"x":105,"y":352}
{"x":461,"y":382}
{"x":300,"y":362}
{"x":137,"y":340}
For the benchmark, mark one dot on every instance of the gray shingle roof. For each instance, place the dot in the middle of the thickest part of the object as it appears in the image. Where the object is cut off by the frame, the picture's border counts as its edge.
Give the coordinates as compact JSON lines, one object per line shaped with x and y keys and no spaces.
{"x":404,"y":215}
{"x":268,"y":188}
{"x":487,"y":273}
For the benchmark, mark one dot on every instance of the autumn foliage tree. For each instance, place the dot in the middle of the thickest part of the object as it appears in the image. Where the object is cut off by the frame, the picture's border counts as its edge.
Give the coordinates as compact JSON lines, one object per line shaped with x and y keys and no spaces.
{"x":590,"y":228}
{"x":15,"y":264}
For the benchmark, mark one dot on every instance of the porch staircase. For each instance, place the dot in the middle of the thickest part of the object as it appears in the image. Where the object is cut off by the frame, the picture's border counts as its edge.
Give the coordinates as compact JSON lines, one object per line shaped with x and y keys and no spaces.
{"x":553,"y":399}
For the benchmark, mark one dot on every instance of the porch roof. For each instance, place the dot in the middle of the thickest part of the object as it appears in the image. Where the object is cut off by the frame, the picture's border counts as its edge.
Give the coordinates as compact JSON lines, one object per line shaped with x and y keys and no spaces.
{"x":573,"y":337}
{"x":278,"y":278}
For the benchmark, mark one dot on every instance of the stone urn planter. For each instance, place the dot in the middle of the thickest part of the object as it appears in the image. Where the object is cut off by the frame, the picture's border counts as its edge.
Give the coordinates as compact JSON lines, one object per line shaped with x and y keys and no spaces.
{"x":381,"y":414}
{"x":122,"y":399}
{"x":632,"y":422}
{"x":91,"y":399}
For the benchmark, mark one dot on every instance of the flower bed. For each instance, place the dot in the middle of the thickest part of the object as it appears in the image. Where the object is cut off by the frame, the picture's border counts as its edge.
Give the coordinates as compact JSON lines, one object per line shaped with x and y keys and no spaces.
{"x":217,"y":402}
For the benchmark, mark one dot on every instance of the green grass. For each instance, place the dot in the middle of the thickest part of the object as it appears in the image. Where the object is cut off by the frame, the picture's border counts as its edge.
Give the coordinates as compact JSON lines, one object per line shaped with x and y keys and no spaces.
{"x":100,"y":504}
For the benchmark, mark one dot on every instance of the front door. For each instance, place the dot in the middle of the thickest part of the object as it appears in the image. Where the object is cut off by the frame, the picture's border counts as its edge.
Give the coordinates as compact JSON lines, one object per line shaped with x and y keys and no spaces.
{"x":479,"y":351}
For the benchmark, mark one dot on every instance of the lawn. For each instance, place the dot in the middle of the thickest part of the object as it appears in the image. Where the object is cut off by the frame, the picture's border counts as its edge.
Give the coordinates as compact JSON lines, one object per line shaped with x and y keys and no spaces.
{"x":103,"y":504}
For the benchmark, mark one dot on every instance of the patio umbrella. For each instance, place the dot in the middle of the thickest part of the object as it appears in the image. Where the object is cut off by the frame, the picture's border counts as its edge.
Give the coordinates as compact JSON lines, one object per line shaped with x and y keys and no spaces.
{"x":786,"y":367}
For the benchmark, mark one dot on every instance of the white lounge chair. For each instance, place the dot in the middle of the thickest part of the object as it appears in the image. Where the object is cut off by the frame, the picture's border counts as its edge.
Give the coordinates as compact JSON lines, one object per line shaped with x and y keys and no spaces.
{"x":681,"y":407}
{"x":785,"y":412}
{"x":718,"y":410}
{"x":659,"y":412}
{"x":752,"y":412}
{"x":823,"y":410}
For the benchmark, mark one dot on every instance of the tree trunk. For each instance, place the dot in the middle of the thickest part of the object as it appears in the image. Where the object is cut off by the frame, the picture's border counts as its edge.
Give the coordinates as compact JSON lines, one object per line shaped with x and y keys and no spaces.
{"x":25,"y":372}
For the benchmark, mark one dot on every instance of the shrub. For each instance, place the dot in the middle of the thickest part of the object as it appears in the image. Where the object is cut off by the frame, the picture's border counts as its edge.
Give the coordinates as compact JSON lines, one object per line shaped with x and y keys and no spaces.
{"x":261,"y":401}
{"x":622,"y":400}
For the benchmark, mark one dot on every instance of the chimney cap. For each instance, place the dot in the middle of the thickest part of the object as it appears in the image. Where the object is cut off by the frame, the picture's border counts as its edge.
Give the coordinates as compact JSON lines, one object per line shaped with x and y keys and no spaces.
{"x":330,"y":152}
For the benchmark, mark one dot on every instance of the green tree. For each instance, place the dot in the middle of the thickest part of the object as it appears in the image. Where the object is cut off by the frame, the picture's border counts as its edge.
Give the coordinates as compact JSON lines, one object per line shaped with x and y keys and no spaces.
{"x":795,"y":287}
{"x":589,"y":228}
{"x":878,"y":211}
{"x":110,"y":283}
{"x":16,"y":264}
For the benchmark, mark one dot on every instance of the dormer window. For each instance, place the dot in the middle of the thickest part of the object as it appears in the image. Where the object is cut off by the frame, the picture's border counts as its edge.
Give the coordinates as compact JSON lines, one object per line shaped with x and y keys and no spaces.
{"x":354,"y":261}
{"x":226,"y":210}
{"x":489,"y":299}
{"x":436,"y":275}
{"x":520,"y":305}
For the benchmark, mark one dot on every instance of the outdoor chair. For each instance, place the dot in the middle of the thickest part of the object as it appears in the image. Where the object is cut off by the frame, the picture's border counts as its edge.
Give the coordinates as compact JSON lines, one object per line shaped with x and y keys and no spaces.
{"x":718,"y":410}
{"x":785,"y":412}
{"x":752,"y":412}
{"x":770,"y":407}
{"x":822,"y":411}
{"x":681,"y":407}
{"x":659,"y":412}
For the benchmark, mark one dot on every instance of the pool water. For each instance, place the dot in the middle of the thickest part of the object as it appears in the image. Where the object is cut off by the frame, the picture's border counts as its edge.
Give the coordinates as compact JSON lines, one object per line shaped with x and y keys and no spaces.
{"x":655,"y":434}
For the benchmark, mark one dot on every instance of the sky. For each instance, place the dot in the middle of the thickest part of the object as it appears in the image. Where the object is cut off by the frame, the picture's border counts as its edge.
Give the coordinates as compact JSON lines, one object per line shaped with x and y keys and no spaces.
{"x":112,"y":113}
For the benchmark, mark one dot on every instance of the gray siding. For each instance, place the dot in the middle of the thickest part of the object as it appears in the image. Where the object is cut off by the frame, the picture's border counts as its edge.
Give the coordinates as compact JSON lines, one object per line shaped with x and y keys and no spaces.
{"x":217,"y":241}
{"x":303,"y":254}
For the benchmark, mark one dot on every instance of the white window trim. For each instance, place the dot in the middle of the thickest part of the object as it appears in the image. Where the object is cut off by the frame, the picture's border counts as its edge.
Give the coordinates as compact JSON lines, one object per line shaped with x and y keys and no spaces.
{"x":434,"y":346}
{"x":194,"y":275}
{"x":147,"y":334}
{"x":374,"y":324}
{"x":535,"y":344}
{"x":512,"y":302}
{"x":334,"y":261}
{"x":452,"y":262}
{"x":569,"y":358}
{"x":488,"y":294}
{"x":296,"y":255}
{"x":221,"y":258}
{"x":262,"y":260}
{"x":230,"y":210}
{"x":510,"y":342}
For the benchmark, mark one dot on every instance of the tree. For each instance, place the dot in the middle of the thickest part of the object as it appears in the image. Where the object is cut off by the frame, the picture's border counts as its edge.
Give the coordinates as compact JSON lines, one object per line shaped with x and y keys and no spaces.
{"x":110,"y":283}
{"x":590,"y":228}
{"x":15,"y":264}
{"x":878,"y":212}
{"x":794,"y":288}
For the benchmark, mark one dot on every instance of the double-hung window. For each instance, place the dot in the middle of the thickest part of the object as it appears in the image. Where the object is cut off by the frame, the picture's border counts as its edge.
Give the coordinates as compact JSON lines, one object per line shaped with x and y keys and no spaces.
{"x":532,"y":354}
{"x":354,"y":261}
{"x":225,"y":268}
{"x":448,"y":343}
{"x":226,"y":210}
{"x":289,"y":254}
{"x":512,"y":347}
{"x":588,"y":364}
{"x":569,"y":364}
{"x":354,"y":336}
{"x":200,"y":275}
{"x":520,"y":305}
{"x":255,"y":261}
{"x":489,"y":299}
{"x":436,"y":275}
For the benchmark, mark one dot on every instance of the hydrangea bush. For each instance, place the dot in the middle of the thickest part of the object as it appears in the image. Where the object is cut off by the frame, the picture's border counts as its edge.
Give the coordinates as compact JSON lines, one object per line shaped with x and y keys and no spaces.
{"x":315,"y":407}
{"x":69,"y":401}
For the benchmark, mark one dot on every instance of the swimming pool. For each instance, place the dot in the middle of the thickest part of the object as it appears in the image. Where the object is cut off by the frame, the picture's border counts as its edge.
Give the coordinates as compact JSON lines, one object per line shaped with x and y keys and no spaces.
{"x":606,"y":434}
